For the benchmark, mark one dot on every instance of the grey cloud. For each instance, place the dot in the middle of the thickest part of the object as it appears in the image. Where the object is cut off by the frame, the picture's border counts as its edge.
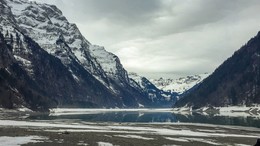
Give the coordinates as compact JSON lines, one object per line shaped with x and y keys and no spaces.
{"x":117,"y":11}
{"x":166,"y":36}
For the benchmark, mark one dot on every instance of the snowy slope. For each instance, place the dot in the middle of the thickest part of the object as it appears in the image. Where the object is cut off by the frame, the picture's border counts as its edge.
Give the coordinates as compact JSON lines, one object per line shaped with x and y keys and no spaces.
{"x":46,"y":25}
{"x":179,"y":85}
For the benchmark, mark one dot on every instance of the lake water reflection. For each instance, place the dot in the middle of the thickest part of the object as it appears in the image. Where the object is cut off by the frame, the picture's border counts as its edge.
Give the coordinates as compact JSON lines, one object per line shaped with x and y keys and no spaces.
{"x":152,"y":117}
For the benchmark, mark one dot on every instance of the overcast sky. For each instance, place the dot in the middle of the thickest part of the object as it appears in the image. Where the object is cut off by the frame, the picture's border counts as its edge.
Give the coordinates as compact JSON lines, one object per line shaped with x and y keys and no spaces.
{"x":166,"y":37}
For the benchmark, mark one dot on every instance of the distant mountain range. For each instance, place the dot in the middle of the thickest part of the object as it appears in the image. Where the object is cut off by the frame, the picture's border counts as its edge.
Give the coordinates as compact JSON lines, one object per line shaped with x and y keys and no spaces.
{"x":160,"y":98}
{"x":235,"y":82}
{"x":180,"y":85}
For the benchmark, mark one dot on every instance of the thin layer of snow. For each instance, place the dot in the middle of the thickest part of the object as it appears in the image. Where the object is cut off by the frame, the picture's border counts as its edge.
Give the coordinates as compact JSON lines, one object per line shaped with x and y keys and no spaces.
{"x":185,"y":139}
{"x":137,"y":79}
{"x":239,"y":111}
{"x":234,"y":108}
{"x":71,"y":111}
{"x":167,"y":97}
{"x":134,"y":136}
{"x":204,"y":109}
{"x":127,"y":129}
{"x":241,"y":145}
{"x":177,"y":139}
{"x":211,"y":142}
{"x":104,"y":144}
{"x":211,"y":130}
{"x":79,"y":55}
{"x":20,"y":140}
{"x":24,"y":61}
{"x":182,"y":109}
{"x":230,"y":111}
{"x":82,"y":143}
{"x":140,"y":105}
{"x":45,"y":124}
{"x":24,"y":109}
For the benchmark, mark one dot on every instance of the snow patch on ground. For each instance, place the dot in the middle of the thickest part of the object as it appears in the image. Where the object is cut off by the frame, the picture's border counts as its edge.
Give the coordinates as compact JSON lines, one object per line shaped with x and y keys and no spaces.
{"x":242,"y":145}
{"x":239,"y":111}
{"x":26,"y":63}
{"x":185,"y":139}
{"x":79,"y":111}
{"x":211,"y":130}
{"x":140,"y":105}
{"x":134,"y":136}
{"x":229,"y":111}
{"x":177,"y":139}
{"x":20,"y":140}
{"x":203,"y":141}
{"x":24,"y":109}
{"x":104,"y":144}
{"x":82,"y":143}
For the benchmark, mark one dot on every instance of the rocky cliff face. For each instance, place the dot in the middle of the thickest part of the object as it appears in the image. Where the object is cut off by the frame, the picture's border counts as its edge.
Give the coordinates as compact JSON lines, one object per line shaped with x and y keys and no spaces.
{"x":63,"y":67}
{"x":235,"y":82}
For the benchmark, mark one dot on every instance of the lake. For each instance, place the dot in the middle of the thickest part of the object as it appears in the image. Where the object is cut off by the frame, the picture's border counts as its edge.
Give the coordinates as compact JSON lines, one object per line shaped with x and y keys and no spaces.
{"x":149,"y":116}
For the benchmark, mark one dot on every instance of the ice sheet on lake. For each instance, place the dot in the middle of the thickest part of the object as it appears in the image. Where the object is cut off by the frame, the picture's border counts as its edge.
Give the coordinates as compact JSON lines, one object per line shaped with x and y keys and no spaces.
{"x":20,"y":140}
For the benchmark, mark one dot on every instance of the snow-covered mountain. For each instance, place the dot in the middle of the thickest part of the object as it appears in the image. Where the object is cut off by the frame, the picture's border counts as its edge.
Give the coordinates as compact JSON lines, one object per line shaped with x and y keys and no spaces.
{"x":56,"y":59}
{"x":46,"y":25}
{"x":180,"y":85}
{"x":160,"y":97}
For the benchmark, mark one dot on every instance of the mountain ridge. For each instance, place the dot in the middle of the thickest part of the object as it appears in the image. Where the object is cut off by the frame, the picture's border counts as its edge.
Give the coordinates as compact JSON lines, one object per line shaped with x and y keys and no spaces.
{"x":179,"y":85}
{"x":235,"y":82}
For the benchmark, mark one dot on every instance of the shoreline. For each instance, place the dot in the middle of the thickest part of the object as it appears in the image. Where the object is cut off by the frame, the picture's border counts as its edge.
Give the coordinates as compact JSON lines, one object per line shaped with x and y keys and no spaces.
{"x":134,"y":134}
